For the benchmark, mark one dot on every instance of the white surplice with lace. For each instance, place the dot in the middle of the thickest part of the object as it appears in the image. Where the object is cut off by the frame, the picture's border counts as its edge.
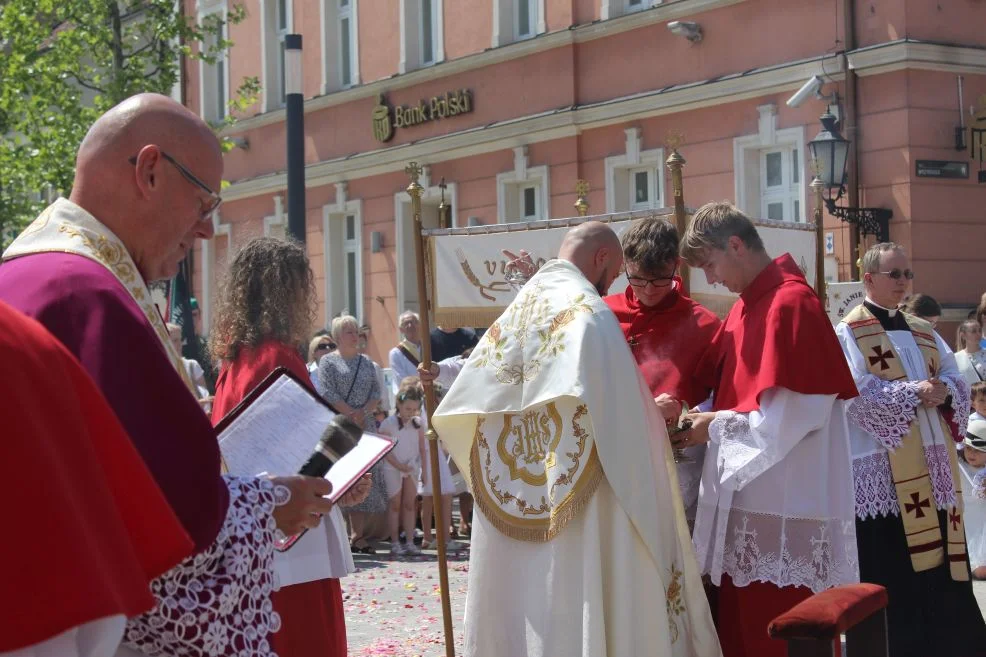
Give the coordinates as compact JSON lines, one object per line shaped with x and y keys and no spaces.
{"x":882,"y":415}
{"x":776,"y":500}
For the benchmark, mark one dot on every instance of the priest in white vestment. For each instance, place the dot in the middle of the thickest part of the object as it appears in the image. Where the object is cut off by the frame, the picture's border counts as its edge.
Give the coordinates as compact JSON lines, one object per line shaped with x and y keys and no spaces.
{"x":581,"y":545}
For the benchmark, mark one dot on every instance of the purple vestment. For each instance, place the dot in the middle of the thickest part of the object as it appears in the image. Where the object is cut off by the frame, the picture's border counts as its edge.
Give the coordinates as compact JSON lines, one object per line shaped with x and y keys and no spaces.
{"x":83,"y":305}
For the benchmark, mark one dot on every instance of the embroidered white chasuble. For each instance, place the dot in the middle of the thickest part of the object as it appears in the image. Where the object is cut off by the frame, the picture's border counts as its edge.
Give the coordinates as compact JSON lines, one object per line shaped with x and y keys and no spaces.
{"x":580,"y":545}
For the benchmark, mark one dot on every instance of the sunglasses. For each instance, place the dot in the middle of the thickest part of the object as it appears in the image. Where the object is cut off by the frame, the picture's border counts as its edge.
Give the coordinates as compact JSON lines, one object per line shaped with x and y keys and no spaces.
{"x":895,"y":274}
{"x":637,"y":281}
{"x":214,"y":199}
{"x":325,"y":346}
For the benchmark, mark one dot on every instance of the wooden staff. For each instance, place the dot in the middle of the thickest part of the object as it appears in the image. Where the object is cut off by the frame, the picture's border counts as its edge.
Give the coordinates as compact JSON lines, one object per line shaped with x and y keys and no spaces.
{"x":415,"y":190}
{"x":675,"y":163}
{"x":817,"y":186}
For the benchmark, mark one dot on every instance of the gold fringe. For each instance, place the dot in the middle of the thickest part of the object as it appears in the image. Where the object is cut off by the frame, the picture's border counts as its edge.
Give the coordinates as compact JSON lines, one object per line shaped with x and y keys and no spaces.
{"x":473,"y":318}
{"x":542,"y":531}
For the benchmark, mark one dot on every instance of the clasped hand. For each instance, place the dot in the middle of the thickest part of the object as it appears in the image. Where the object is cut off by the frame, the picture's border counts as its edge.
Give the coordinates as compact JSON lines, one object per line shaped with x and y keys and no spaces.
{"x":697,"y":434}
{"x":307,"y":504}
{"x":932,"y":392}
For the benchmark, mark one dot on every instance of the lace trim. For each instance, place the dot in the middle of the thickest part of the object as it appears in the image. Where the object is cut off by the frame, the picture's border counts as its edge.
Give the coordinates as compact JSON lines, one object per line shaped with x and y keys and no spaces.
{"x":738,"y":448}
{"x":885,"y":409}
{"x":979,"y":485}
{"x":874,"y":483}
{"x":218,"y":602}
{"x":961,"y":393}
{"x":816,"y":554}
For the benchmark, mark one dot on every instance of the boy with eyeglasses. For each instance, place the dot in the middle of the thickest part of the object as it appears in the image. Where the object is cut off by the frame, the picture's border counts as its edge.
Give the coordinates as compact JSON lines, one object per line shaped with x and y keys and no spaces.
{"x":909,"y":509}
{"x":667,"y":333}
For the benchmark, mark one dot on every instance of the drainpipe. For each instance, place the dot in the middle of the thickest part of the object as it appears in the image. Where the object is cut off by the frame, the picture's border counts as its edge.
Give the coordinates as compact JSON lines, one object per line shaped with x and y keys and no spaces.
{"x":852,"y":133}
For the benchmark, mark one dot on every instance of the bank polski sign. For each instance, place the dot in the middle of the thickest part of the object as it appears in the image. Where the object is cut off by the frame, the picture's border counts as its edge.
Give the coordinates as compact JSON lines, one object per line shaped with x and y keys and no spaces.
{"x":387,"y":120}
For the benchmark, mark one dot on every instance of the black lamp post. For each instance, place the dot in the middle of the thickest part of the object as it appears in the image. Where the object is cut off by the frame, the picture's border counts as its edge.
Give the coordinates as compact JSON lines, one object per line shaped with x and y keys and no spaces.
{"x":295,"y":119}
{"x":830,"y":152}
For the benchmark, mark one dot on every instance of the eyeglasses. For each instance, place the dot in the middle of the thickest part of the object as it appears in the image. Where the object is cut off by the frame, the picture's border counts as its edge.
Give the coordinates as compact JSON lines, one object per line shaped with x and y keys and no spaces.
{"x":637,"y":281}
{"x":215,"y":200}
{"x":895,"y":274}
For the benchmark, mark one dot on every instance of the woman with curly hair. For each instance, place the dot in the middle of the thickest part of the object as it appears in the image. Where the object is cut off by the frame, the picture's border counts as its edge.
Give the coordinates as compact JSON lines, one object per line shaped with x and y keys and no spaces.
{"x":266,"y":310}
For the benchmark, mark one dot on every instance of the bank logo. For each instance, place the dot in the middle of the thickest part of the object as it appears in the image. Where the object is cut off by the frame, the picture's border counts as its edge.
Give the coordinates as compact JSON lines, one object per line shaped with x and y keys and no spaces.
{"x":383,"y":124}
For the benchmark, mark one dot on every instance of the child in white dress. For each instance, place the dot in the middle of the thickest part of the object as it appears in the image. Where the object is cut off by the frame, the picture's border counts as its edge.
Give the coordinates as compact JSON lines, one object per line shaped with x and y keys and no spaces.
{"x":402,"y":466}
{"x":972,"y":458}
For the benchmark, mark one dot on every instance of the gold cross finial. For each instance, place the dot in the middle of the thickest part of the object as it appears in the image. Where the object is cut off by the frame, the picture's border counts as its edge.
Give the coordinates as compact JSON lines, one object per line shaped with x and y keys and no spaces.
{"x":414,"y":171}
{"x":582,"y":187}
{"x":674,"y":140}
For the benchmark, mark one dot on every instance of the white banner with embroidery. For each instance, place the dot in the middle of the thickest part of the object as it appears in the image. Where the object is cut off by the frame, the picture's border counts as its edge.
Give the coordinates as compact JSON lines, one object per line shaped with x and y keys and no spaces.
{"x":467,"y":281}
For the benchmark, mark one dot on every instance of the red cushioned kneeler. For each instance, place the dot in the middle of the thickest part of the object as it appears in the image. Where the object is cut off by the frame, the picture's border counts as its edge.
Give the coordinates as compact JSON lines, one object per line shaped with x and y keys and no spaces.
{"x":812,"y":628}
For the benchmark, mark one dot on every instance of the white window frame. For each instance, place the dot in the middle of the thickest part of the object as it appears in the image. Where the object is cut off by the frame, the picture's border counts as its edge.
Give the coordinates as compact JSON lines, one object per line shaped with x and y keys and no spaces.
{"x":620,"y":170}
{"x":337,"y":213}
{"x":209,"y":265}
{"x":787,"y":193}
{"x":506,"y":23}
{"x":331,"y":38}
{"x":510,"y":186}
{"x":430,"y":198}
{"x":532,"y":19}
{"x":346,"y":13}
{"x":277,"y":221}
{"x":207,"y":81}
{"x":613,"y":8}
{"x":271,"y":51}
{"x":412,"y":35}
{"x":749,"y":162}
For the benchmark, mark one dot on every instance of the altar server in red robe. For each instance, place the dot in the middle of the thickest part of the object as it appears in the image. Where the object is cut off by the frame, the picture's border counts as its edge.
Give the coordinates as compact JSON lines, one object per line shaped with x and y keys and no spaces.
{"x":775,"y":519}
{"x":143,"y":194}
{"x":88,"y":529}
{"x":266,"y":310}
{"x":668,"y":333}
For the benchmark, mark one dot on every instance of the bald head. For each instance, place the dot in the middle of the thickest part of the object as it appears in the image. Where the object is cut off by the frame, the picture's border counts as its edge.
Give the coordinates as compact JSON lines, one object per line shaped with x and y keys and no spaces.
{"x":595,"y":249}
{"x":149,"y":169}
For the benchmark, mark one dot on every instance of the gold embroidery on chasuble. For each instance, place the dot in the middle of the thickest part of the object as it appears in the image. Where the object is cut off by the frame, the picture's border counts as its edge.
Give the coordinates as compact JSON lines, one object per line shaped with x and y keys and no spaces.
{"x":908,"y":463}
{"x":675,"y":603}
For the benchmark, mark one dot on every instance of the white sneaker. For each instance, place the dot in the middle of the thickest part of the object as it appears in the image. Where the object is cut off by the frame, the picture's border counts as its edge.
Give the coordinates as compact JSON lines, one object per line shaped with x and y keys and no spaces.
{"x":398,"y":549}
{"x":412,"y":549}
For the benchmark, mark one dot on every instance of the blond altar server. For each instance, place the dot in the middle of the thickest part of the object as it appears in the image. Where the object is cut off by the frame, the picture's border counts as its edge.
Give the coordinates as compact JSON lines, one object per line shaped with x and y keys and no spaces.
{"x":581,"y":545}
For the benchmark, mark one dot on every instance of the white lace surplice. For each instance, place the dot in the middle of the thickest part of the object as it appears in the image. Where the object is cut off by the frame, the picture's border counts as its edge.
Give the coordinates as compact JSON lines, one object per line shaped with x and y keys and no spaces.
{"x":776,"y":503}
{"x":218,"y":602}
{"x":882,"y":415}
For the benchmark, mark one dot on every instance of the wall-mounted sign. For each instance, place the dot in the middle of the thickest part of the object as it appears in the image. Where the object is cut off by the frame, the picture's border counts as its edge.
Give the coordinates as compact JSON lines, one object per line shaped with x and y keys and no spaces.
{"x":387,"y":119}
{"x":942,"y":169}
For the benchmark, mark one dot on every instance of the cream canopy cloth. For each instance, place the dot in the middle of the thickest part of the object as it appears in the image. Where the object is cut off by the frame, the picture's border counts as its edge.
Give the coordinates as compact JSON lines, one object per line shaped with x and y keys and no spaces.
{"x":581,"y":545}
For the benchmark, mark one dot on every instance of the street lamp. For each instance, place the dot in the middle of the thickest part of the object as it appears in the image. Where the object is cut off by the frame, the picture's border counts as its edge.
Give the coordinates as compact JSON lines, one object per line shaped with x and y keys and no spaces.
{"x":295,"y":119}
{"x":830,"y":152}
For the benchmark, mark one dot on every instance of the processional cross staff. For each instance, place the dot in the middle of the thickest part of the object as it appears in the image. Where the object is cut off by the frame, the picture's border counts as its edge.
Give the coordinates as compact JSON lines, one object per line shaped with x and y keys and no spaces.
{"x":415,"y":190}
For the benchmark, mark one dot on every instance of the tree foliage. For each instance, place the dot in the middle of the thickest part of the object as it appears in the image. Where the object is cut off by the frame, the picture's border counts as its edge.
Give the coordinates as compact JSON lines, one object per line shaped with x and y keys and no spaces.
{"x":65,"y":62}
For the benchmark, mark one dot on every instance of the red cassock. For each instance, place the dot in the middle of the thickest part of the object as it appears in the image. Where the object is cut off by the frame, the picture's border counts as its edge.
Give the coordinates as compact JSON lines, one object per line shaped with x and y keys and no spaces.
{"x":87,"y":527}
{"x":776,"y":335}
{"x":668,"y":341}
{"x":312,"y":619}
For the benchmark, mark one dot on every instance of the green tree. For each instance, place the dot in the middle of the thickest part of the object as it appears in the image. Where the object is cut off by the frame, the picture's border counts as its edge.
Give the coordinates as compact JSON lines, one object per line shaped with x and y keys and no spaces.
{"x":65,"y":62}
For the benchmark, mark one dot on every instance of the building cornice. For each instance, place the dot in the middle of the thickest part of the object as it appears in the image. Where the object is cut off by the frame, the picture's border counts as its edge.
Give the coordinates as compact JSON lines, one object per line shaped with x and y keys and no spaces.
{"x":566,"y":122}
{"x":905,"y":53}
{"x":659,"y":13}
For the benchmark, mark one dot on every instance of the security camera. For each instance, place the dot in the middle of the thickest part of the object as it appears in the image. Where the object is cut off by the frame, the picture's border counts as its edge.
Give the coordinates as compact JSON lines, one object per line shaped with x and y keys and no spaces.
{"x":809,"y":88}
{"x":688,"y":29}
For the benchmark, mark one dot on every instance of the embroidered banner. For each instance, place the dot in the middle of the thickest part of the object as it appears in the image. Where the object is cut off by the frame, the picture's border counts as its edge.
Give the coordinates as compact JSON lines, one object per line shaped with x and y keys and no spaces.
{"x":466,"y":266}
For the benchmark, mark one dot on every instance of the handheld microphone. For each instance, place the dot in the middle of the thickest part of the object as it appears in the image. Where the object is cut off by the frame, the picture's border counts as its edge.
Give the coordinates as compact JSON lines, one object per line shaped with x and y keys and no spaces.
{"x":339,"y":437}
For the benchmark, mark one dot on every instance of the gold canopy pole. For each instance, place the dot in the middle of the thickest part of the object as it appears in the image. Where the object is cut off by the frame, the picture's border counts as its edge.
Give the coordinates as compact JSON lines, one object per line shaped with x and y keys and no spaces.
{"x":675,"y":163}
{"x":816,"y":186}
{"x":441,"y":533}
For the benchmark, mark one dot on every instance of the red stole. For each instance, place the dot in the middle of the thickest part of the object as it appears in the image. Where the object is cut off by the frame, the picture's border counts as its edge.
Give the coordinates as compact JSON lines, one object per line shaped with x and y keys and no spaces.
{"x":668,"y":341}
{"x":776,"y":335}
{"x":88,"y":527}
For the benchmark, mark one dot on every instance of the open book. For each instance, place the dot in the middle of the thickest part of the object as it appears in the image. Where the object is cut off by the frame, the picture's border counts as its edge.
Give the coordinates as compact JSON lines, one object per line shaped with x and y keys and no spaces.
{"x":274,"y":430}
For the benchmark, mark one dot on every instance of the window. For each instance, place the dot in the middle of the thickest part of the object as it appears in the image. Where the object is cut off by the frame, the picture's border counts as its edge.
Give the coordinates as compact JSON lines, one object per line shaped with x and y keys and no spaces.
{"x":343,"y":260}
{"x":422,"y":42}
{"x":515,"y":20}
{"x":635,"y":5}
{"x":346,"y":43}
{"x":340,"y":44}
{"x":529,"y":210}
{"x":522,"y":194}
{"x":276,"y":24}
{"x":634,"y":179}
{"x":212,"y":76}
{"x":780,"y":184}
{"x":614,"y":8}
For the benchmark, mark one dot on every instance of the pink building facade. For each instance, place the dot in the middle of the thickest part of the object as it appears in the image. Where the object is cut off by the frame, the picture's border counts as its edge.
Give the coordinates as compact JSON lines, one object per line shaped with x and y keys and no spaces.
{"x":510,"y":102}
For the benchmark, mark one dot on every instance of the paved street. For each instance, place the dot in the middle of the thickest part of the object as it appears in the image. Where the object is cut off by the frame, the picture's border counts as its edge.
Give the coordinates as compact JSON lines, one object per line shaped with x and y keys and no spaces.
{"x":393,"y":606}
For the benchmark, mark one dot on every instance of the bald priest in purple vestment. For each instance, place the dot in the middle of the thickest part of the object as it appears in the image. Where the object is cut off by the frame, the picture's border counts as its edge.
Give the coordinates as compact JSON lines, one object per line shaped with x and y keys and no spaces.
{"x":143,"y":194}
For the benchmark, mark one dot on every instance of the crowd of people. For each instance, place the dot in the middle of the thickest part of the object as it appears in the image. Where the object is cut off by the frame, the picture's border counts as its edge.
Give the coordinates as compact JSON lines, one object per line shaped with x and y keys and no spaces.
{"x":647,"y":478}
